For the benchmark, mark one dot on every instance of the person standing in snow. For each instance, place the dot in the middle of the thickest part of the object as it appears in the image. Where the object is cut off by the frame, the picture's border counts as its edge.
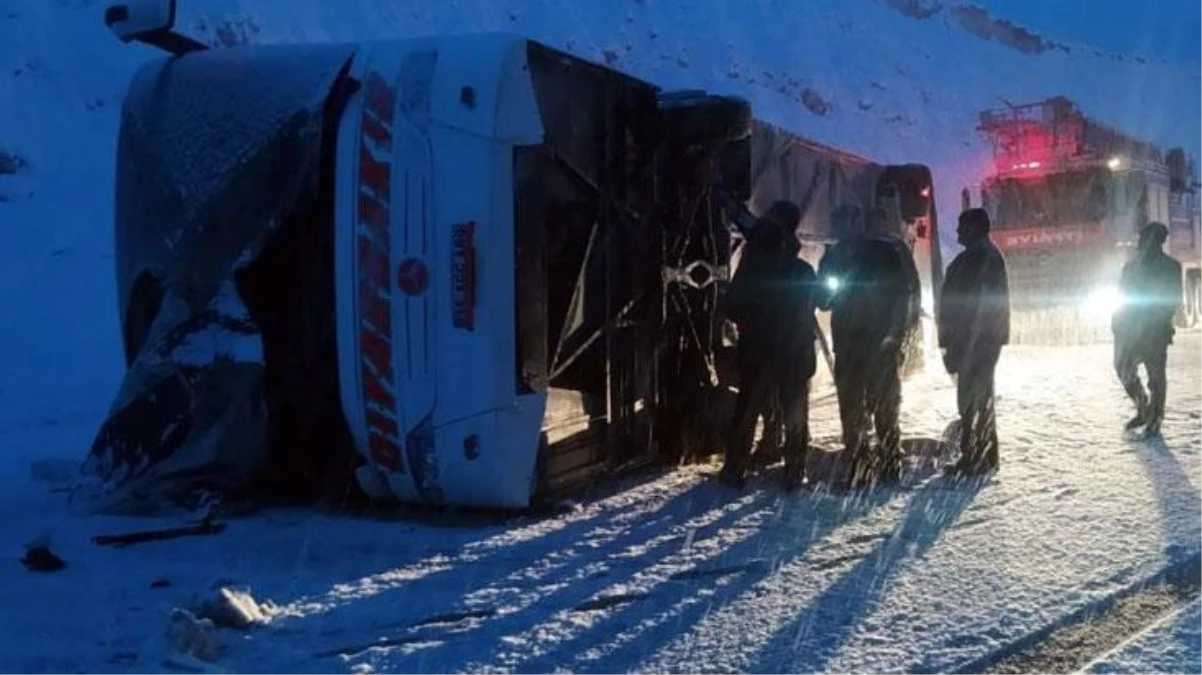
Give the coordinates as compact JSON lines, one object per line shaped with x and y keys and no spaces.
{"x":903,"y":297}
{"x":866,"y":286}
{"x":771,"y":303}
{"x":1151,"y":289}
{"x":880,"y":225}
{"x":973,"y":326}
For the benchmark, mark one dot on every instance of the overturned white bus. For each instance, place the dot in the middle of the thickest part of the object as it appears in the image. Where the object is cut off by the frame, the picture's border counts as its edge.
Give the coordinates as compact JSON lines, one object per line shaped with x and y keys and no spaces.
{"x":459,"y":270}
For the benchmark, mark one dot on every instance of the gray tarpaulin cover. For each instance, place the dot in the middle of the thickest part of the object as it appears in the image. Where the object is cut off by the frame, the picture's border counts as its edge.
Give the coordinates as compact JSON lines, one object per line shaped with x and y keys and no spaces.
{"x":216,"y":149}
{"x":816,"y":178}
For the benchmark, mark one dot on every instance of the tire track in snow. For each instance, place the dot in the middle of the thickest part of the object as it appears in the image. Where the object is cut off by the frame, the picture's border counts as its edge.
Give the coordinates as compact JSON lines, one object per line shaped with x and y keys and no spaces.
{"x":1094,"y":630}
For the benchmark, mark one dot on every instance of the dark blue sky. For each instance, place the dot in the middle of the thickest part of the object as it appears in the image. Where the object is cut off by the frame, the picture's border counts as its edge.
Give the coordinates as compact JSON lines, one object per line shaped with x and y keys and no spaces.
{"x":1169,"y":28}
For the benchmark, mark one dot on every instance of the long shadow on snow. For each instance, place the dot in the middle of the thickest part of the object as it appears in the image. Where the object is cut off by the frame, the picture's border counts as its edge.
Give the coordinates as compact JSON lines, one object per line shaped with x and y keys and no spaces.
{"x":1178,"y":569}
{"x":377,"y":552}
{"x":673,"y":606}
{"x":813,"y":638}
{"x":1176,"y":496}
{"x":568,"y":552}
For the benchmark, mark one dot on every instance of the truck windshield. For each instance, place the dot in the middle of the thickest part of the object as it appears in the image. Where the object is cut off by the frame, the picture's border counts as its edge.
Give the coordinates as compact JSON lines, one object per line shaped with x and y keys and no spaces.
{"x":1075,"y":198}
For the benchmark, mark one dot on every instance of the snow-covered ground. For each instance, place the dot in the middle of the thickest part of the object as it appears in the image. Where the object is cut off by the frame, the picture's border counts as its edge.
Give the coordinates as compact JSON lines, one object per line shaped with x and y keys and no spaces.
{"x":667,"y":573}
{"x":672,"y":572}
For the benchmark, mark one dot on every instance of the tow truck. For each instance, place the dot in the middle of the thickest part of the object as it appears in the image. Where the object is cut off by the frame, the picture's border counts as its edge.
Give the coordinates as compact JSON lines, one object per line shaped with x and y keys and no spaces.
{"x":457,"y":270}
{"x":1067,"y":197}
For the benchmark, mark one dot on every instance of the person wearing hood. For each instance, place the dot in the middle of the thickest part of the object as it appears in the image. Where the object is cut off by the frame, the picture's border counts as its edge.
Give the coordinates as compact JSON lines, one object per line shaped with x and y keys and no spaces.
{"x":973,"y":326}
{"x":770,"y":301}
{"x":865,"y":283}
{"x":1151,"y":289}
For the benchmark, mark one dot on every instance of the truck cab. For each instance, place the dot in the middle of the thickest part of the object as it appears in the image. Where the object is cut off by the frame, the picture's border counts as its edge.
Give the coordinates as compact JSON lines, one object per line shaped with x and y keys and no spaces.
{"x":1067,"y":197}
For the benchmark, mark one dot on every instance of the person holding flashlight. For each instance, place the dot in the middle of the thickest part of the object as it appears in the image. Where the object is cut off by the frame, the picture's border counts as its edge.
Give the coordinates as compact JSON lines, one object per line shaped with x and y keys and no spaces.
{"x":865,"y":283}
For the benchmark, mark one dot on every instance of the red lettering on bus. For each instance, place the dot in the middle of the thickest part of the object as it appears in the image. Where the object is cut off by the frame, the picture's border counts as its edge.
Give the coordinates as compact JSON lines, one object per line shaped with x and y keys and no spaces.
{"x":384,"y":450}
{"x":378,"y":131}
{"x":377,"y":352}
{"x":374,"y":391}
{"x":376,"y":310}
{"x":383,"y":424}
{"x":373,"y":264}
{"x":373,"y":174}
{"x":380,"y":98}
{"x":374,"y":215}
{"x":374,"y":286}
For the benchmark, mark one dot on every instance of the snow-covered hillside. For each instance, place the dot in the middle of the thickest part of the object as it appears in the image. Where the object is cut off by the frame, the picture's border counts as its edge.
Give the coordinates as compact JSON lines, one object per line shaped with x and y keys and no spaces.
{"x":897,"y":80}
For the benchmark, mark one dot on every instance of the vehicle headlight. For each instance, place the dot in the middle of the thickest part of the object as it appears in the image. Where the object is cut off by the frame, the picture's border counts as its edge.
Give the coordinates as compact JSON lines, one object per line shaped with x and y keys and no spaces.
{"x":1102,"y":302}
{"x":832,"y":284}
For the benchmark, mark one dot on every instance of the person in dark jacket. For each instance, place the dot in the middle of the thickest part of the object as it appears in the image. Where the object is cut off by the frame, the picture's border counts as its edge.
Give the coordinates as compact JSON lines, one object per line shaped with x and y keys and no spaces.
{"x":771,"y":303}
{"x":974,"y":324}
{"x":1151,"y":289}
{"x":880,"y":225}
{"x":865,"y":284}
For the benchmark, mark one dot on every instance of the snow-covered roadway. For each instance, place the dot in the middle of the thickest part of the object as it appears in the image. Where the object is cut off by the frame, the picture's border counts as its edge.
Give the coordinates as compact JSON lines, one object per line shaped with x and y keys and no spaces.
{"x":669,"y":572}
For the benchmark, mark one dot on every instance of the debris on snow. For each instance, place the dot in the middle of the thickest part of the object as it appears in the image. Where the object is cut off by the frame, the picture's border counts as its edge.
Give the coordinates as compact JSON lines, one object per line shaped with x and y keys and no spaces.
{"x":233,"y":608}
{"x":191,"y":641}
{"x":205,"y":527}
{"x":39,"y":558}
{"x":609,"y":601}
